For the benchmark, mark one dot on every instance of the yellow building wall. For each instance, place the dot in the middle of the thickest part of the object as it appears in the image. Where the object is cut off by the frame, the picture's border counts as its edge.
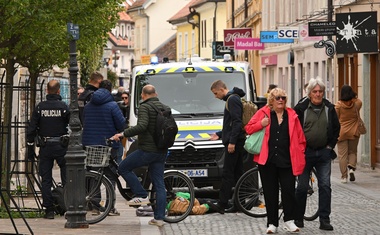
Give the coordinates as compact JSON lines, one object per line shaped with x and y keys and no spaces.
{"x":184,"y":50}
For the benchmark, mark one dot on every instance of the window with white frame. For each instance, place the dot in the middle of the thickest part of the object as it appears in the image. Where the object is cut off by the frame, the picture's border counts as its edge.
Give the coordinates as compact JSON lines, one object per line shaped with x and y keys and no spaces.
{"x":179,"y":43}
{"x":186,"y":44}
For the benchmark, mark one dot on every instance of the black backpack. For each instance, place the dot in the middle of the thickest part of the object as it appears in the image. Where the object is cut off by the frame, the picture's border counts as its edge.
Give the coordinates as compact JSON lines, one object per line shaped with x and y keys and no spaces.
{"x":166,"y":128}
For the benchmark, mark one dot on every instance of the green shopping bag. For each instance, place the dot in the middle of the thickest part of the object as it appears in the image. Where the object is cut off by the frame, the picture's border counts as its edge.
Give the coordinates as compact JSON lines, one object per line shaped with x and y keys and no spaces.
{"x":254,"y":142}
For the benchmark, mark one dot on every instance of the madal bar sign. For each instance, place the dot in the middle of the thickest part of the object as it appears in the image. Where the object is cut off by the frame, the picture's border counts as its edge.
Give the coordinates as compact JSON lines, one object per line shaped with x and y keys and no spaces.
{"x":248,"y":44}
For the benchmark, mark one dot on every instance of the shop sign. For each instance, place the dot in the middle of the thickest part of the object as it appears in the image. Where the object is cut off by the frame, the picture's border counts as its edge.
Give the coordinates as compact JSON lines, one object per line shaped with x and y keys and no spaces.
{"x":248,"y":44}
{"x":272,"y":37}
{"x":322,"y":28}
{"x":356,"y":32}
{"x":231,"y":34}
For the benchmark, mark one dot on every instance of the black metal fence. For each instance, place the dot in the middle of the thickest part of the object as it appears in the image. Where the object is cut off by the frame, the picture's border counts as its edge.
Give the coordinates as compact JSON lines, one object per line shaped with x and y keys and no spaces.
{"x":23,"y":180}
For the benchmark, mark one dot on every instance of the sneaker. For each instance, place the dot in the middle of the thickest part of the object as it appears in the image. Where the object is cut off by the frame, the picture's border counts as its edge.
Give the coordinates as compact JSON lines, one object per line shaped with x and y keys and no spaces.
{"x":299,"y":223}
{"x":343,"y":180}
{"x":352,"y":175}
{"x":158,"y":223}
{"x":291,"y":227}
{"x":137,"y":201}
{"x":114,"y":212}
{"x":271,"y":229}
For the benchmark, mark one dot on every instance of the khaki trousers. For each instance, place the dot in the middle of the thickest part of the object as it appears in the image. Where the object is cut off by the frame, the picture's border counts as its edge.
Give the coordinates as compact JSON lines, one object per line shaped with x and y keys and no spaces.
{"x":347,"y":153}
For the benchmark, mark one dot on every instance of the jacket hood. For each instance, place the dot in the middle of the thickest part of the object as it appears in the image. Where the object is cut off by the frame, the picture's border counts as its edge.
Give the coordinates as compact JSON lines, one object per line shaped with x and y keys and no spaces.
{"x":101,"y":96}
{"x":236,"y":91}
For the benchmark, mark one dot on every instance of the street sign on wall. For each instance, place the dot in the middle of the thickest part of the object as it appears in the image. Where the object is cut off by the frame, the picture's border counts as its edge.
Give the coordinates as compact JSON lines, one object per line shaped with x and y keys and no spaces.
{"x":356,"y":32}
{"x":322,"y":28}
{"x":231,"y":34}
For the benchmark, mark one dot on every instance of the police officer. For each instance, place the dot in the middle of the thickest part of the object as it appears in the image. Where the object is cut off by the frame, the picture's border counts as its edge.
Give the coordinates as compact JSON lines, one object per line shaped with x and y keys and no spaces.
{"x":93,"y":84}
{"x":49,"y":122}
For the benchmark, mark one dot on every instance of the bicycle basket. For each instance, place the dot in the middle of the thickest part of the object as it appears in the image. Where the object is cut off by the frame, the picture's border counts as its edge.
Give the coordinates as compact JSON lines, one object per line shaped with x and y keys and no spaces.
{"x":97,"y":156}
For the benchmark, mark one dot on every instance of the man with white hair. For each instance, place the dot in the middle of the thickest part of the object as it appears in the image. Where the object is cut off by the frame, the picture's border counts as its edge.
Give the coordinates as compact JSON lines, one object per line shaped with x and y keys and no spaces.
{"x":321,"y":127}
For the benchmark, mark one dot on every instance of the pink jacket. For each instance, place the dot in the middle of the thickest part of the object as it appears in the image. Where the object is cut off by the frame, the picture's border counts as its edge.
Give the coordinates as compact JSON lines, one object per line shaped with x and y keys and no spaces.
{"x":296,"y":135}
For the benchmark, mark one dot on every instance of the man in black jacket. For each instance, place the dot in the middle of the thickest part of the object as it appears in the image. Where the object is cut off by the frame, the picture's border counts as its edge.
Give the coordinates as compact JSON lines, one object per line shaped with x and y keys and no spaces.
{"x":233,"y":137}
{"x":93,"y":84}
{"x":321,"y":127}
{"x":50,"y":120}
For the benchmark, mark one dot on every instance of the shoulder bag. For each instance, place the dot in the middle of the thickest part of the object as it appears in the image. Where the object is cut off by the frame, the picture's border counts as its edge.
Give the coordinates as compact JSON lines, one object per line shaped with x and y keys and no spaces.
{"x":254,"y":142}
{"x":361,"y":127}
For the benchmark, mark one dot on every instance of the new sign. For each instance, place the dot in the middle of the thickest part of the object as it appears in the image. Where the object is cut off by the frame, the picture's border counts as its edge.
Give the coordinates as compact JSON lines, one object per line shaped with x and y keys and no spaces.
{"x":248,"y":44}
{"x":272,"y":37}
{"x":288,"y":32}
{"x":231,"y":34}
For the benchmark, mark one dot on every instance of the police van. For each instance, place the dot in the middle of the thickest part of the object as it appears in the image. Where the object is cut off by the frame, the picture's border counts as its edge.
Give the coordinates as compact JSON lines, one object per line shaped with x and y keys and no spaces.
{"x":185,"y":87}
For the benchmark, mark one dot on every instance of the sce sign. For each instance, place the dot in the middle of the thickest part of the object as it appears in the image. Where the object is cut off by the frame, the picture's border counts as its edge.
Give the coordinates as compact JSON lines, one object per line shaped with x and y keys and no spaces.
{"x":288,"y":32}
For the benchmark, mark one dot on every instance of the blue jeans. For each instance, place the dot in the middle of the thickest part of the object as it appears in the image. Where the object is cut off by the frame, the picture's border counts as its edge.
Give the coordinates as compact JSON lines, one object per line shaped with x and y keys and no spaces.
{"x":321,"y":161}
{"x":156,"y":167}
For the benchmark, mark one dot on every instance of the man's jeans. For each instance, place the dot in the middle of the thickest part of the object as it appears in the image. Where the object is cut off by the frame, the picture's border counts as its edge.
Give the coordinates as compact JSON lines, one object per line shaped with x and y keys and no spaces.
{"x":321,"y":161}
{"x":156,"y":166}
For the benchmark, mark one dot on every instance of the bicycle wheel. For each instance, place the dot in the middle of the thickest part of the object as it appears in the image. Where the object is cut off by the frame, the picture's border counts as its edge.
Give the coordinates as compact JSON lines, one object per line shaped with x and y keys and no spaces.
{"x":176,"y":182}
{"x":100,"y":197}
{"x":311,"y":211}
{"x":249,"y":195}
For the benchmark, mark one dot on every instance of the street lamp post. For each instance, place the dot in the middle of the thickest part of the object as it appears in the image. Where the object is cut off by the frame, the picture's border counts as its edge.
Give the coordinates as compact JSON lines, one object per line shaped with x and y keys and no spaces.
{"x":75,"y":170}
{"x":117,"y":53}
{"x":106,"y":56}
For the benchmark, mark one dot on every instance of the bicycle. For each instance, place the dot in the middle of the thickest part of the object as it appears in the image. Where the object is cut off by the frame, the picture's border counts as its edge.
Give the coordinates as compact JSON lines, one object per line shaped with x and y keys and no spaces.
{"x":249,"y":196}
{"x":101,"y":196}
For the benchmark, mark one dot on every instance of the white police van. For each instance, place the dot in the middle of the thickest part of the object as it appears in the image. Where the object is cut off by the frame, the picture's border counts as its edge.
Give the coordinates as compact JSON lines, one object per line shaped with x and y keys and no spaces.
{"x":185,"y":87}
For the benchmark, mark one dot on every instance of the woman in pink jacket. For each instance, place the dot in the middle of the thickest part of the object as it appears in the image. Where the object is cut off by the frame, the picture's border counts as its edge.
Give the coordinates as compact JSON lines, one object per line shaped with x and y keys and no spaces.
{"x":281,"y":158}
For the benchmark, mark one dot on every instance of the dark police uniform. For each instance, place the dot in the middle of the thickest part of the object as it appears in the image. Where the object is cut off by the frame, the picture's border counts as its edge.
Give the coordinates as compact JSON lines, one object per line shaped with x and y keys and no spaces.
{"x":50,"y":121}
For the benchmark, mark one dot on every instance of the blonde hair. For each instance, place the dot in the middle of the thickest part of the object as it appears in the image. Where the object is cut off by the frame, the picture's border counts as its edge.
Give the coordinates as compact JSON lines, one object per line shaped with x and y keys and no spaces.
{"x":273,"y":94}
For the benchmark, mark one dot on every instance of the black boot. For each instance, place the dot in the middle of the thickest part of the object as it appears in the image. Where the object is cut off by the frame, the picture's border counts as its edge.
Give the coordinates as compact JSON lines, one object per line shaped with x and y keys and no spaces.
{"x":49,"y":213}
{"x":325,"y":225}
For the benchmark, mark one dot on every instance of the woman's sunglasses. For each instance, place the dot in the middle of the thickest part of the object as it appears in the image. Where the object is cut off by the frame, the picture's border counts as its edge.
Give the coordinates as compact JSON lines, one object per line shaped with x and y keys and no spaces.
{"x":280,"y":97}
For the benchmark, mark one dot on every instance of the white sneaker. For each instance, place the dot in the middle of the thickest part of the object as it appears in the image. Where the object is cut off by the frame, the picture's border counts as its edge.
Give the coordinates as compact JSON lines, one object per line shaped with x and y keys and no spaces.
{"x":343,"y":180}
{"x":158,"y":223}
{"x":291,"y":227}
{"x":137,"y":201}
{"x":271,"y":229}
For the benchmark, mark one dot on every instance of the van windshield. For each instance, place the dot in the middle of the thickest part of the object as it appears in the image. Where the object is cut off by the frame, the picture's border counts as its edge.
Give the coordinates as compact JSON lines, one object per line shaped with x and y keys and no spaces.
{"x":189,"y":93}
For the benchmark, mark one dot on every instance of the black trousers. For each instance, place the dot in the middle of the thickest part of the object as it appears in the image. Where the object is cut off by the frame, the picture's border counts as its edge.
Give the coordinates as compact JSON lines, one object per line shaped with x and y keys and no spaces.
{"x":272,"y":178}
{"x":48,"y":154}
{"x":232,"y":170}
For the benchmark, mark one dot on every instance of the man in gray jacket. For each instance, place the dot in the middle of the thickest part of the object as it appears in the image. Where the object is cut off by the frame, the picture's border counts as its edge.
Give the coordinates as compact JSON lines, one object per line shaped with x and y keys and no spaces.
{"x":147,"y":154}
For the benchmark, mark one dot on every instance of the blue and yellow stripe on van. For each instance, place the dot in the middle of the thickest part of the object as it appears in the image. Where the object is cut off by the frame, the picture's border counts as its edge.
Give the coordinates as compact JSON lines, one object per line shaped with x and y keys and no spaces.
{"x":197,"y":132}
{"x":188,"y":69}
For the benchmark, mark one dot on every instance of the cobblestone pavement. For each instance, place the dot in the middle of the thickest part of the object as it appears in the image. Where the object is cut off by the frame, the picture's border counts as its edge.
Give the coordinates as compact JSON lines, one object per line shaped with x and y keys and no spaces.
{"x":355,"y":210}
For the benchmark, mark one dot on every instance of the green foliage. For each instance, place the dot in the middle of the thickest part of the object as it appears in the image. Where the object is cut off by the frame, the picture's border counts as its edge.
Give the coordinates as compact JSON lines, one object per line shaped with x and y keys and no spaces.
{"x":112,"y":76}
{"x":33,"y":34}
{"x":28,"y":213}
